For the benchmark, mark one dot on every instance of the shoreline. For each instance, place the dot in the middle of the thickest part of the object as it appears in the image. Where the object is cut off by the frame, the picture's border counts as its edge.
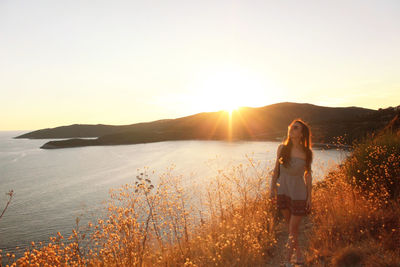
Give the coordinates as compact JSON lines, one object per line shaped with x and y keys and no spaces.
{"x":79,"y":142}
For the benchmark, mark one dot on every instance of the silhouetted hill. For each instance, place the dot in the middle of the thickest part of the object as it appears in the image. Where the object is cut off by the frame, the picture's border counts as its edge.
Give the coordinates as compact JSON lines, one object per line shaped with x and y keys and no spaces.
{"x":264,"y":123}
{"x":83,"y":130}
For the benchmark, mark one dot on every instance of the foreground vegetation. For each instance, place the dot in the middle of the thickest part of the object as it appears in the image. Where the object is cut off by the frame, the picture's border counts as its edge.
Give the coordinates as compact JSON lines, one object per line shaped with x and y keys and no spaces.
{"x":356,"y":214}
{"x":166,"y":225}
{"x":355,"y":217}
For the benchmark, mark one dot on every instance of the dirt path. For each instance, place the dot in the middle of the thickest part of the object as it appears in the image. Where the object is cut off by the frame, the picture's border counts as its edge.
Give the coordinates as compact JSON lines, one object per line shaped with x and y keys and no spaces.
{"x":279,"y":254}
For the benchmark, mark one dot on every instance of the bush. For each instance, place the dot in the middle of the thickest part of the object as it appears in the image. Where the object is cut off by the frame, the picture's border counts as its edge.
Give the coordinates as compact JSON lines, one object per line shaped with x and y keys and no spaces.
{"x":374,"y":166}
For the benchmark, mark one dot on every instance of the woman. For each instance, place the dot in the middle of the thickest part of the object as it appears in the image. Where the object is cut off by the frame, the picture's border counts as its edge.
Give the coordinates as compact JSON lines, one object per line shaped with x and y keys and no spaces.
{"x":292,"y":167}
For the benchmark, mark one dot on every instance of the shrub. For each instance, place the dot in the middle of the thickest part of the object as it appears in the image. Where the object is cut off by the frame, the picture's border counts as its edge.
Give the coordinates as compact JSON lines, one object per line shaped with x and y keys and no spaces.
{"x":374,"y":166}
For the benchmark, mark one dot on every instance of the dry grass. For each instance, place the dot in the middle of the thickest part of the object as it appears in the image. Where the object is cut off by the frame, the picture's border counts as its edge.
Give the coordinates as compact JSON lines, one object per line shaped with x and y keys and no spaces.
{"x":230,"y":222}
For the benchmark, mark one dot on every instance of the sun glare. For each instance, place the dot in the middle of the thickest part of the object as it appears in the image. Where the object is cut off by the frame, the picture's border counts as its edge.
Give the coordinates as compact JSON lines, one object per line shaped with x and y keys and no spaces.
{"x":230,"y":88}
{"x":230,"y":109}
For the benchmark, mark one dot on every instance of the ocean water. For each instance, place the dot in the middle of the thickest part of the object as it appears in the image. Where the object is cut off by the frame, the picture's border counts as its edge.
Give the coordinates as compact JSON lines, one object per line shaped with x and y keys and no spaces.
{"x":54,"y":187}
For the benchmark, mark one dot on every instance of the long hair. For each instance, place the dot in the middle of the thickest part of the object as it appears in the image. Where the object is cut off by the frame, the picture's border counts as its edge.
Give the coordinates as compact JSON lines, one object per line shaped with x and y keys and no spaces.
{"x":305,"y":142}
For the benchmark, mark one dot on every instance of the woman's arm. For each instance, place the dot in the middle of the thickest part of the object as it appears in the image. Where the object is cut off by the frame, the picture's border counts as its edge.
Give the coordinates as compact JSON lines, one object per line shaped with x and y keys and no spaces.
{"x":275,"y":173}
{"x":308,"y":177}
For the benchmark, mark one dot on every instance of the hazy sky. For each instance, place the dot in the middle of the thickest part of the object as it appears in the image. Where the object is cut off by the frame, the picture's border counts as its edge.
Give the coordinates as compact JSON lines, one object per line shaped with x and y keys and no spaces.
{"x":122,"y":62}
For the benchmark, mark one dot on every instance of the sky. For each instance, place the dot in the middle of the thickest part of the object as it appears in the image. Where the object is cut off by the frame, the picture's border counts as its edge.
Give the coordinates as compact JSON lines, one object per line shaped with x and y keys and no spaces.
{"x":122,"y":62}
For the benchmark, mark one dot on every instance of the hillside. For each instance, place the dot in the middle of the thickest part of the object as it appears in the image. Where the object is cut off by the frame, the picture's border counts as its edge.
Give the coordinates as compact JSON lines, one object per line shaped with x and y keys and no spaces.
{"x":264,"y":123}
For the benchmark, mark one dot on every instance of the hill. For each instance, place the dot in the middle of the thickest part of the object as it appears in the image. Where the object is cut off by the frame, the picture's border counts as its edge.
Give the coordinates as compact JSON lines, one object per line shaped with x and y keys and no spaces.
{"x":264,"y":123}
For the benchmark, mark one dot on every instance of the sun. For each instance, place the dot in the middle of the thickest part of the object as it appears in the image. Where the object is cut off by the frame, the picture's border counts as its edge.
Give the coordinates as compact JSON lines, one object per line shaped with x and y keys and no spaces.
{"x":230,"y":107}
{"x":228,"y":89}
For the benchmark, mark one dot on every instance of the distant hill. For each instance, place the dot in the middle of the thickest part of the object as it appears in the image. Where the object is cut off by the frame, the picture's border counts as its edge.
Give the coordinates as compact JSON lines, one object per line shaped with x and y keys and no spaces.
{"x":81,"y":130}
{"x":264,"y":123}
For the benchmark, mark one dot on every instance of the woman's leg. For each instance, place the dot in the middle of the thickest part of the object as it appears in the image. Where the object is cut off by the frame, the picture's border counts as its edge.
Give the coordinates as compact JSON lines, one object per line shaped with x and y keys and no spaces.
{"x":293,"y":236}
{"x":286,"y":215}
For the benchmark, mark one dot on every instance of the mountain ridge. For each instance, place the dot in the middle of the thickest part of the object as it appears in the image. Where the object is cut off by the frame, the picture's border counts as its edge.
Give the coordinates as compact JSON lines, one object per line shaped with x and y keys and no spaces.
{"x":263,"y":123}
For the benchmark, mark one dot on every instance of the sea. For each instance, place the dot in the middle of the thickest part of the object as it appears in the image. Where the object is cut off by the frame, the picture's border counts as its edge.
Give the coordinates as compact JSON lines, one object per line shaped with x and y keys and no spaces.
{"x":52,"y":188}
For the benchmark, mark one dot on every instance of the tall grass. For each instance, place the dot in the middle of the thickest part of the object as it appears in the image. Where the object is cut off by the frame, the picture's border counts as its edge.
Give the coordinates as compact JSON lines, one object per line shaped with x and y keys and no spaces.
{"x":229,"y":222}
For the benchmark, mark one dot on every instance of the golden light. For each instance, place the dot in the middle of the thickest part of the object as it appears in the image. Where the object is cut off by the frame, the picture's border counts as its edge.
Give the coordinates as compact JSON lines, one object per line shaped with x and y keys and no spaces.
{"x":231,"y":109}
{"x":230,"y":127}
{"x":229,"y":88}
